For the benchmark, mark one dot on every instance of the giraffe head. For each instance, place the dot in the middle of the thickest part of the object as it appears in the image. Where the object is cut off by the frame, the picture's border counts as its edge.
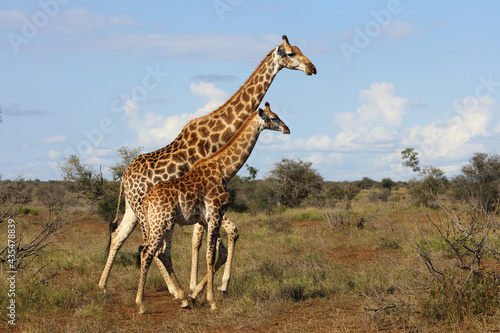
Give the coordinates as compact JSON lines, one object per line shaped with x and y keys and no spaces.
{"x":291,"y":57}
{"x":271,"y":121}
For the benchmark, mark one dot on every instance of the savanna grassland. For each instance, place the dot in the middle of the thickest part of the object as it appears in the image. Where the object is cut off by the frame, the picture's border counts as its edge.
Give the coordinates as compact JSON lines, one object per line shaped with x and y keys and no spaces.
{"x":362,"y":265}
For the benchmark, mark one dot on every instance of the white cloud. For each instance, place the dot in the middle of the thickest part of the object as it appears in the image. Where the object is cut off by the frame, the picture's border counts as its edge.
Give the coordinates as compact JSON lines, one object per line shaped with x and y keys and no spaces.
{"x":453,"y":136}
{"x":274,"y":141}
{"x":55,"y":155}
{"x":375,"y":125}
{"x":207,"y":90}
{"x":155,"y":130}
{"x":55,"y":139}
{"x":319,"y":142}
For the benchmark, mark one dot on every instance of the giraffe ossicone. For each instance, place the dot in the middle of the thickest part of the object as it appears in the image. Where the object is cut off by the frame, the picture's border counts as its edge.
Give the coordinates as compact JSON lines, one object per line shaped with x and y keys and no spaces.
{"x":192,"y":144}
{"x":200,"y":196}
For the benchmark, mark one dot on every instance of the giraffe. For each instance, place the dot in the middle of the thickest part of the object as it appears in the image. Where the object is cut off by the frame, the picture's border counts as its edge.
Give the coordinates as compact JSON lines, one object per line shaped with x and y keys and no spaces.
{"x":199,"y":138}
{"x":200,"y":196}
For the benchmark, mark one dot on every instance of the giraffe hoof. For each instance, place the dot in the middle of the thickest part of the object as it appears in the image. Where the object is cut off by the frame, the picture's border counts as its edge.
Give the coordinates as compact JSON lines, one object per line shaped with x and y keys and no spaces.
{"x":213,"y":307}
{"x":185,"y":304}
{"x":106,"y":293}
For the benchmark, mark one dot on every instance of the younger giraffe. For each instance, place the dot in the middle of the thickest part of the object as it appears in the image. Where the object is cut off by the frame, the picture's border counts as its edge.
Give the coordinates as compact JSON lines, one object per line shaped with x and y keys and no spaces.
{"x":200,"y":196}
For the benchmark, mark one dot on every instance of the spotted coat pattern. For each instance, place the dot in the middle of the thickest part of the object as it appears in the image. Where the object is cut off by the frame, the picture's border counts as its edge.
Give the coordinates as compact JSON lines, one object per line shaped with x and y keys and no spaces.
{"x":199,"y":138}
{"x":200,"y":196}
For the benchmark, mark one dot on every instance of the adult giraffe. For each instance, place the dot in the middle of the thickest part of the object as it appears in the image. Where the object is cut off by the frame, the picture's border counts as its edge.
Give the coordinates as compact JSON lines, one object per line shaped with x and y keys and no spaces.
{"x":199,"y":138}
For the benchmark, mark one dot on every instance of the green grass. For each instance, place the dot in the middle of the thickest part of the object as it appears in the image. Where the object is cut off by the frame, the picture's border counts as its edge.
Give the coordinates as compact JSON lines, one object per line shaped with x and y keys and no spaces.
{"x":277,"y":267}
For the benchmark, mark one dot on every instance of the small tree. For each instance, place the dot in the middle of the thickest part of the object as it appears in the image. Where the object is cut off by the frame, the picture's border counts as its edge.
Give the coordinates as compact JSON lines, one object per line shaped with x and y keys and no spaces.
{"x":388,"y":184}
{"x":343,"y":191}
{"x":252,"y":173}
{"x":431,"y":181}
{"x":294,"y":181}
{"x":410,"y":159}
{"x":91,"y":183}
{"x":13,"y":194}
{"x":243,"y":191}
{"x":127,"y":155}
{"x":52,"y":196}
{"x":480,"y":181}
{"x":365,"y":183}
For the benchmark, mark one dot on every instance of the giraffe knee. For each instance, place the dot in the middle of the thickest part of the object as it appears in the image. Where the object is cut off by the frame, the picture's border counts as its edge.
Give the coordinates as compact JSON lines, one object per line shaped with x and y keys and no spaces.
{"x":144,"y":256}
{"x":233,"y":235}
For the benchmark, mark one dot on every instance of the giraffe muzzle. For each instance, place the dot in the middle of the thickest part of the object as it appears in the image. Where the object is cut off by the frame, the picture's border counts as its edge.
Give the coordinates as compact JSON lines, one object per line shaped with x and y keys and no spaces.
{"x":310,"y":70}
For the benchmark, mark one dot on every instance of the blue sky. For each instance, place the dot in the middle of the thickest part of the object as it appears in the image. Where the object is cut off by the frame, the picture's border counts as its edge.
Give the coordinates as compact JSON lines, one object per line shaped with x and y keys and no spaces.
{"x":87,"y":77}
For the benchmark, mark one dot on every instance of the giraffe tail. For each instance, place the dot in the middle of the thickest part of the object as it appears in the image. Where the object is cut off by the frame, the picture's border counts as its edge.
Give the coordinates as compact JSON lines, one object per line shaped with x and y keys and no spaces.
{"x":114,"y":225}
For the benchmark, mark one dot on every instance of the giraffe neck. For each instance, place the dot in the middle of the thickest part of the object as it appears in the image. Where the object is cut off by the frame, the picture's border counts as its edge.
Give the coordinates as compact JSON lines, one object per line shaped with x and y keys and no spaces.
{"x":233,"y":155}
{"x":249,"y":96}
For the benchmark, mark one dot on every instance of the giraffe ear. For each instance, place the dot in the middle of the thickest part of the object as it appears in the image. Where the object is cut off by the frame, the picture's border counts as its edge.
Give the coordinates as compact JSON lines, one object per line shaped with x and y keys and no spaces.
{"x":284,"y":48}
{"x":263,"y":115}
{"x":281,"y":52}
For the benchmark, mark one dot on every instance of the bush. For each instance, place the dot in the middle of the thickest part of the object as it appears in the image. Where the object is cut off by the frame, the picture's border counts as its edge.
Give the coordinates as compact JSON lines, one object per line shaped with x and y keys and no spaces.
{"x":294,"y":181}
{"x":431,"y":184}
{"x":345,"y":191}
{"x":382,"y":195}
{"x":106,"y":208}
{"x":388,"y":183}
{"x":480,"y":182}
{"x":251,"y":196}
{"x":450,"y":299}
{"x":51,"y":195}
{"x":461,"y":286}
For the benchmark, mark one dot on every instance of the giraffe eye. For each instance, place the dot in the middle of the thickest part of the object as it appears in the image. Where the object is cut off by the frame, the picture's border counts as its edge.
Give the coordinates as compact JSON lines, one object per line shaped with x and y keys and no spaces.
{"x":291,"y":54}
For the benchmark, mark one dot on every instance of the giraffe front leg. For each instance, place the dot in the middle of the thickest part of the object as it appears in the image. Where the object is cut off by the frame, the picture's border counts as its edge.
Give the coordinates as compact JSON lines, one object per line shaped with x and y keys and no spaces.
{"x":232,"y":237}
{"x":124,"y":230}
{"x":164,"y":272}
{"x":195,"y":249}
{"x":166,"y":258}
{"x":212,"y":235}
{"x":146,"y":259}
{"x":219,"y":248}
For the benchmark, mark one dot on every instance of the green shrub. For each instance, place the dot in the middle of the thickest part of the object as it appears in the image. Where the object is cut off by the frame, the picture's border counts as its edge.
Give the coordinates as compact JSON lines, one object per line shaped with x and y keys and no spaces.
{"x":25,"y":211}
{"x":106,"y":208}
{"x":448,"y":299}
